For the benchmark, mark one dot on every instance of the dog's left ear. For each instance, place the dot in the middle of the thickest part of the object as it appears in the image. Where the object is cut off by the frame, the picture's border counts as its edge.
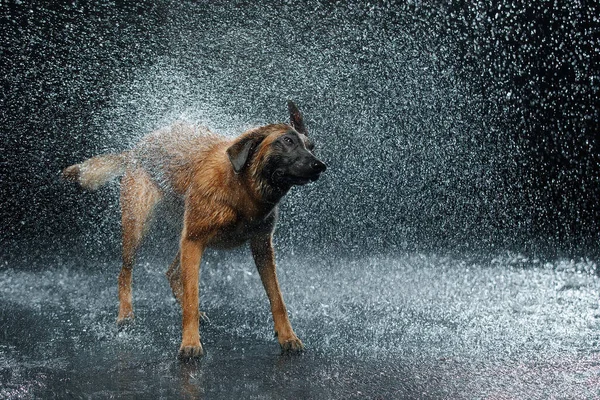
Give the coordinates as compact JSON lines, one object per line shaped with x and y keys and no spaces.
{"x":296,"y":119}
{"x":240,"y":151}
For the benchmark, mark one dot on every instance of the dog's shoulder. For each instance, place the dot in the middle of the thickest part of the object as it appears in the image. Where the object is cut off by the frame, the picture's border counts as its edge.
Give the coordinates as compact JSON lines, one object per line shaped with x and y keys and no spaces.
{"x":174,"y":154}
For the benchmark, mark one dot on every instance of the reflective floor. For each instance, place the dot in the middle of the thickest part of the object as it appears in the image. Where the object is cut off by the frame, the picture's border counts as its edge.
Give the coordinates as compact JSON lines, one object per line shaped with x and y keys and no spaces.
{"x":411,"y":325}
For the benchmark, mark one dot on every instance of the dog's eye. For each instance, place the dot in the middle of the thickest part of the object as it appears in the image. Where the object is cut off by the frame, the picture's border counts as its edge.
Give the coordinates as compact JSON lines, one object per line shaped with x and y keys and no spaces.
{"x":288,"y":140}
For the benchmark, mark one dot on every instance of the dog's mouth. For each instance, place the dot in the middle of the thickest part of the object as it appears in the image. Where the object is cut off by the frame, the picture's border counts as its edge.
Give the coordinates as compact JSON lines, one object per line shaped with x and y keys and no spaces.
{"x":298,"y":180}
{"x":315,"y":177}
{"x":303,"y":180}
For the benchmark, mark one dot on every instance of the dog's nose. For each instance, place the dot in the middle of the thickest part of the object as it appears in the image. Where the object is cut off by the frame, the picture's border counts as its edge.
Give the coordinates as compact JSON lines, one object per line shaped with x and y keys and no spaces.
{"x":318,"y":166}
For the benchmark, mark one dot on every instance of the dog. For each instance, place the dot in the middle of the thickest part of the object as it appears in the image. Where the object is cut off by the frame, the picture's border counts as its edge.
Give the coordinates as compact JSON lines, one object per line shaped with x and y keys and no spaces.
{"x":230,"y":190}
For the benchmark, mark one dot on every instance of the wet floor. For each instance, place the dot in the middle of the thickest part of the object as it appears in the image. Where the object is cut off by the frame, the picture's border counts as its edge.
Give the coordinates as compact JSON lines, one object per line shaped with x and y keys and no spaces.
{"x":410,"y":325}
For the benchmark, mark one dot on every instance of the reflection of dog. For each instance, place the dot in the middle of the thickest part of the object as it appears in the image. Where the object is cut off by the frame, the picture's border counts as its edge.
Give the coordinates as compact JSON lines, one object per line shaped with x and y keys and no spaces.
{"x":230,"y":190}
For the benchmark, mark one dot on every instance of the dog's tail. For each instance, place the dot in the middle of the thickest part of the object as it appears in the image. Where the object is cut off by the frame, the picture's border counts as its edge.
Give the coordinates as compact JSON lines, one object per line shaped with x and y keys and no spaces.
{"x":96,"y":171}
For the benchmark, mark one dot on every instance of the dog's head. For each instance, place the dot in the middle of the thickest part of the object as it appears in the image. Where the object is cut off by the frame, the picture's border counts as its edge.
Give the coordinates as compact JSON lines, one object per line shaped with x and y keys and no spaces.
{"x":280,"y":155}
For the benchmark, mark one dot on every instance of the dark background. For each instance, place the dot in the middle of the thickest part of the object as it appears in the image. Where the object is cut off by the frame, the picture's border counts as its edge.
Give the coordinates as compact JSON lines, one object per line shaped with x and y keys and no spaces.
{"x":455,"y":126}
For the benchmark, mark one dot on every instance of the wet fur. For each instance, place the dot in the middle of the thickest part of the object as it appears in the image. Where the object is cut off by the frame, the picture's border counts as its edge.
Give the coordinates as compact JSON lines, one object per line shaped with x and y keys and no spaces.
{"x":223,"y":208}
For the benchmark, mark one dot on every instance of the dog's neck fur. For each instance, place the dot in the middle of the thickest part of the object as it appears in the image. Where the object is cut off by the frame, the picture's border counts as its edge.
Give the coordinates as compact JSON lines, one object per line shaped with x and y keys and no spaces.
{"x":264,"y":195}
{"x":265,"y":191}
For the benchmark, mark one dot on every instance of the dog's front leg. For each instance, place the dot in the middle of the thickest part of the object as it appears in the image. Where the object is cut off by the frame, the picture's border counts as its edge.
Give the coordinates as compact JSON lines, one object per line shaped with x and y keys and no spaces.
{"x":191,"y":255}
{"x":264,"y":257}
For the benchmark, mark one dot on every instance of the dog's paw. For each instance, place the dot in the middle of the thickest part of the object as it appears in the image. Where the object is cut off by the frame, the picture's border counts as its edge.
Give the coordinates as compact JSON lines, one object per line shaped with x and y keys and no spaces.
{"x":125,"y":323}
{"x":190,"y":352}
{"x":292,"y":345}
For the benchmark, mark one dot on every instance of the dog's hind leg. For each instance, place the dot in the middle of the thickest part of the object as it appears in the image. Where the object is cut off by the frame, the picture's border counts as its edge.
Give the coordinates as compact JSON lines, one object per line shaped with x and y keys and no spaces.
{"x":139,"y":195}
{"x":174,"y":276}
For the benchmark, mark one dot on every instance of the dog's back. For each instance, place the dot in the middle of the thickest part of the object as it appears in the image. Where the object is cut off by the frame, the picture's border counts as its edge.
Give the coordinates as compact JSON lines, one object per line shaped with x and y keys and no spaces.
{"x":170,"y":156}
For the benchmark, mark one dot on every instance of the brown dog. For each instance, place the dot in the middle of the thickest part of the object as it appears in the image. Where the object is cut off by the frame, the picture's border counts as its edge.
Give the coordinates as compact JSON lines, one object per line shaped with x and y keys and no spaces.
{"x":230,"y":190}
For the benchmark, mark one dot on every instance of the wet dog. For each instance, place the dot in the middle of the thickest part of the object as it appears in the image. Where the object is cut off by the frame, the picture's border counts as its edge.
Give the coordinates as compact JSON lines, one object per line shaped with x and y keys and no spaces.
{"x":230,"y":189}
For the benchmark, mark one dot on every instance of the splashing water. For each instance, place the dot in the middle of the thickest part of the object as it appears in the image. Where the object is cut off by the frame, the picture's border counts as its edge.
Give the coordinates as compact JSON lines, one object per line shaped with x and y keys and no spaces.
{"x":461,"y":129}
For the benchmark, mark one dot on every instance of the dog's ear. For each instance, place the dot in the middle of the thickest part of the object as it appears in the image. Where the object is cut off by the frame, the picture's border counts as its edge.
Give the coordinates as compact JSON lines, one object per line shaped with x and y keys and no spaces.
{"x":296,"y":119}
{"x":241,"y":150}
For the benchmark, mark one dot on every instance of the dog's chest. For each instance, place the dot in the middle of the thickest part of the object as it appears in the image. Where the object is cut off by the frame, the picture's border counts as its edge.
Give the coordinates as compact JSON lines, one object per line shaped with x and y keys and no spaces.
{"x":242,"y":230}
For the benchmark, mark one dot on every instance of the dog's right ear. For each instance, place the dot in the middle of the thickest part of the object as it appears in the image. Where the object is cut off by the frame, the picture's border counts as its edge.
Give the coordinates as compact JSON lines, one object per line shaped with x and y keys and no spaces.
{"x":241,"y":150}
{"x":296,"y":118}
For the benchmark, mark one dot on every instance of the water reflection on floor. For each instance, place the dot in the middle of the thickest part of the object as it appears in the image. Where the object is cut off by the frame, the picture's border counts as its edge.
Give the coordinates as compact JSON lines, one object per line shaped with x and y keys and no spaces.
{"x":411,"y":325}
